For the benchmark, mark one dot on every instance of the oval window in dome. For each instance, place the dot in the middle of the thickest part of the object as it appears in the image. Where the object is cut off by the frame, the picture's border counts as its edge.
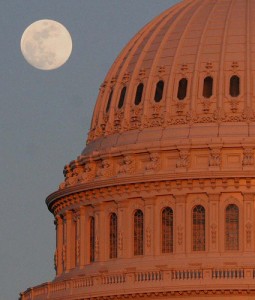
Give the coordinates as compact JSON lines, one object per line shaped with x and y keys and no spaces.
{"x":208,"y":87}
{"x":109,"y":101}
{"x":139,"y":94}
{"x":182,"y":89}
{"x":122,"y":97}
{"x":159,"y":91}
{"x":234,"y":88}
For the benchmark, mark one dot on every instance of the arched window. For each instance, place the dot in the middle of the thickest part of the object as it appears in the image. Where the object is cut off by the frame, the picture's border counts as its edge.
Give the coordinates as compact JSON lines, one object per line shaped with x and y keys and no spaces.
{"x":234,"y":87}
{"x":182,"y":89}
{"x":167,"y":230}
{"x":109,"y":101}
{"x":232,"y":227}
{"x":159,"y":91}
{"x":122,"y":97}
{"x":198,"y":228}
{"x":113,"y":235}
{"x":208,"y":87}
{"x":139,"y":94}
{"x":138,"y":232}
{"x":92,"y":239}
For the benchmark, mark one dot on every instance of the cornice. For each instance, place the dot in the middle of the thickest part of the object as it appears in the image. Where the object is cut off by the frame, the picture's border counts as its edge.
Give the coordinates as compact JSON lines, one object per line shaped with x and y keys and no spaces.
{"x":177,"y":183}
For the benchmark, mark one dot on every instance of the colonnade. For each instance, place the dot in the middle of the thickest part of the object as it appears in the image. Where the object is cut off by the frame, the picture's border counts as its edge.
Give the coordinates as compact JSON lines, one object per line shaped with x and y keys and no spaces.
{"x":73,"y":227}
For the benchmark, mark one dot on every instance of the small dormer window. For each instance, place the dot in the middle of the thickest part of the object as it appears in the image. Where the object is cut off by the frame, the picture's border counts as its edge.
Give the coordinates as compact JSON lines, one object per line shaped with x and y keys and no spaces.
{"x":159,"y":91}
{"x":182,"y":89}
{"x":208,"y":87}
{"x":122,"y":97}
{"x":109,"y":101}
{"x":234,"y":88}
{"x":139,"y":94}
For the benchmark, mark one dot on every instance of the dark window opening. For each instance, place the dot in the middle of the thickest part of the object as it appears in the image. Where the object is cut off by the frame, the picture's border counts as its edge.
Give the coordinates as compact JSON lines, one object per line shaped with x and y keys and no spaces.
{"x":113,"y":235}
{"x":92,"y":239}
{"x":138,"y":232}
{"x":109,"y":101}
{"x":167,"y":230}
{"x":159,"y":91}
{"x":198,"y":228}
{"x":139,"y":94}
{"x":122,"y":97}
{"x":232,"y":227}
{"x":182,"y":89}
{"x":208,"y":87}
{"x":234,"y":88}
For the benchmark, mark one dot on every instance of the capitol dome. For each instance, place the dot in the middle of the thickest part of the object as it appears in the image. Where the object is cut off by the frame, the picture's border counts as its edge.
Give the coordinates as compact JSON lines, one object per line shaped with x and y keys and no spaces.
{"x":161,"y":202}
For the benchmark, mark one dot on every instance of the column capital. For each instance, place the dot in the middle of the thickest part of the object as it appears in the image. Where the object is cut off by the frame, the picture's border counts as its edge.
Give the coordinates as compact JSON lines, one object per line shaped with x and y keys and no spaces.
{"x":68,"y":215}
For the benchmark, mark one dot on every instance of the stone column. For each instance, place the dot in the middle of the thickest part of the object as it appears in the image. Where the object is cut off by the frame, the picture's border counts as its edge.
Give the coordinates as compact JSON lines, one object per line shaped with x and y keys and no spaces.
{"x":59,"y":246}
{"x":83,"y":237}
{"x":76,"y":240}
{"x":68,"y":235}
{"x":157,"y":228}
{"x":100,"y":251}
{"x":123,"y":242}
{"x":213,"y":242}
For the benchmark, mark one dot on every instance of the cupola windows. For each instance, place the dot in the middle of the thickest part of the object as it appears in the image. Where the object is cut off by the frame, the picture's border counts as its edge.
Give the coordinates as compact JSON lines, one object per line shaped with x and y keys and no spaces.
{"x":234,"y":88}
{"x":109,"y":102}
{"x":139,"y":94}
{"x":138,"y":232}
{"x":159,"y":91}
{"x":182,"y":89}
{"x":208,"y":87}
{"x":122,"y":97}
{"x":198,"y":229}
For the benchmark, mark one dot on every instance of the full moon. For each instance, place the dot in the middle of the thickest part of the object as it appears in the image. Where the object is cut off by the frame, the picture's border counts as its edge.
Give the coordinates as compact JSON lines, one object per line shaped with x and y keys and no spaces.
{"x":46,"y":44}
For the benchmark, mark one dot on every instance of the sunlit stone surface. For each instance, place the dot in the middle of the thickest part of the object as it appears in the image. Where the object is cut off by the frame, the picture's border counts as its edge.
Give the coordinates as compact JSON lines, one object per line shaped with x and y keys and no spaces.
{"x":160,"y":204}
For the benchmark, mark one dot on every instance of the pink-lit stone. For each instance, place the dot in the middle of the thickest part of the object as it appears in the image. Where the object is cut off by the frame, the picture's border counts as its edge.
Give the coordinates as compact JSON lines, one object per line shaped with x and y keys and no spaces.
{"x":172,"y":153}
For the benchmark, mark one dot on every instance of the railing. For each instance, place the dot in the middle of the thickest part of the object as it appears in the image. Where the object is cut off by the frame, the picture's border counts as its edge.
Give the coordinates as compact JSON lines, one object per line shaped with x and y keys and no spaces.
{"x":112,"y":279}
{"x":228,"y":274}
{"x":149,"y":276}
{"x":186,"y":274}
{"x":114,"y":284}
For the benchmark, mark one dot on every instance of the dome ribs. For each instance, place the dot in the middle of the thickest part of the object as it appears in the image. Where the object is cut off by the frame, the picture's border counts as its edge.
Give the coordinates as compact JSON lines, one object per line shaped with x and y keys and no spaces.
{"x":139,"y":64}
{"x":248,"y":94}
{"x":194,"y":95}
{"x":221,"y":66}
{"x":156,"y":63}
{"x":172,"y":80}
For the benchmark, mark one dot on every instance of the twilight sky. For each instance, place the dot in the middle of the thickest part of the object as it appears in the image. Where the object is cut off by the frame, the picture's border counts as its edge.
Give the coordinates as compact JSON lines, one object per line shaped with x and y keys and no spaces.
{"x":45,"y":117}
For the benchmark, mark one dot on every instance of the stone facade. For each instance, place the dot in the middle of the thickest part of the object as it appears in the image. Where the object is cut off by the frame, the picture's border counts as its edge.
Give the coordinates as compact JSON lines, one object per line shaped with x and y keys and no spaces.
{"x":160,"y":204}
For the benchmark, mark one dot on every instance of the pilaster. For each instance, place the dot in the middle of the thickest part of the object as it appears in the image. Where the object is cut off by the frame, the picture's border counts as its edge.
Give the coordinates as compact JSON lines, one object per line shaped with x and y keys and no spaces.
{"x":214,"y":222}
{"x":180,"y":224}
{"x":149,"y":226}
{"x":249,"y":222}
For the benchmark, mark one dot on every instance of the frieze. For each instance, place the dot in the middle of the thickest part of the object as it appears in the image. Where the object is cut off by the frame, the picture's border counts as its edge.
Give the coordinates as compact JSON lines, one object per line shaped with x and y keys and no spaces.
{"x":117,"y":191}
{"x":156,"y":118}
{"x":127,"y":165}
{"x":154,"y":162}
{"x":248,"y":157}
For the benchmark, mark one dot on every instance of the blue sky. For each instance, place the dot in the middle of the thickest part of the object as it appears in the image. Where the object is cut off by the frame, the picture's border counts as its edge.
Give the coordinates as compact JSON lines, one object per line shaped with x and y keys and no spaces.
{"x":45,"y":117}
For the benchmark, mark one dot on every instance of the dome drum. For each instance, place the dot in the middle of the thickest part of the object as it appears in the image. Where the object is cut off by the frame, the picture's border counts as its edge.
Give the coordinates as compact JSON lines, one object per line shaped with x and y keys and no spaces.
{"x":160,"y":203}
